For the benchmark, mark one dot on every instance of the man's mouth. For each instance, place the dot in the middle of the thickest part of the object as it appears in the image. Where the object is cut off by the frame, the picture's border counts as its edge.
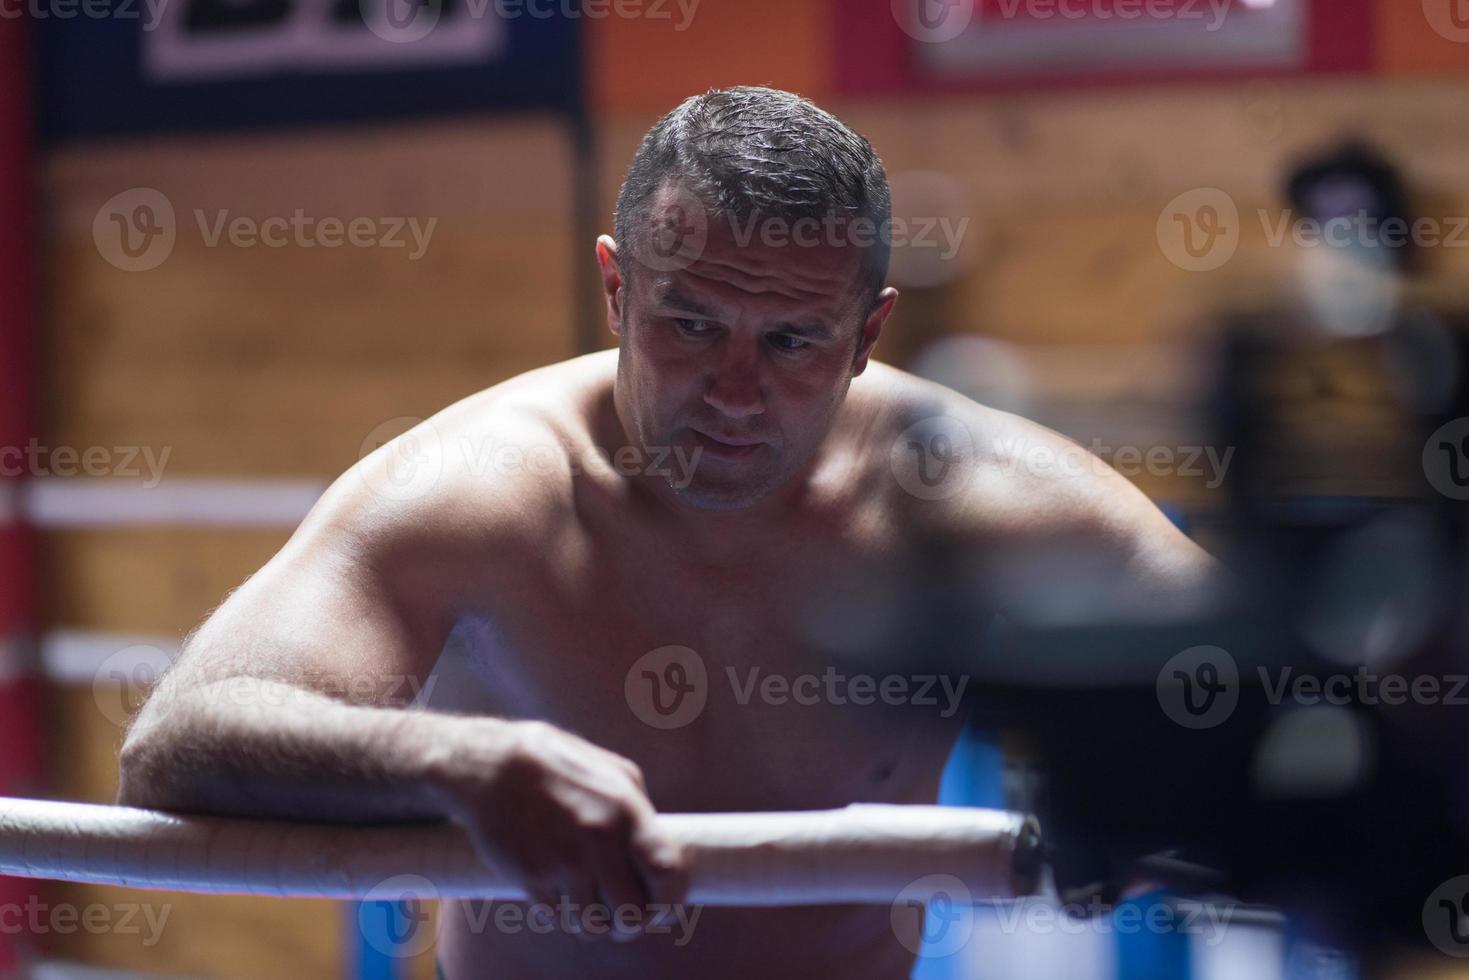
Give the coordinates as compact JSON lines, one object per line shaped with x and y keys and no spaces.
{"x":728,"y":447}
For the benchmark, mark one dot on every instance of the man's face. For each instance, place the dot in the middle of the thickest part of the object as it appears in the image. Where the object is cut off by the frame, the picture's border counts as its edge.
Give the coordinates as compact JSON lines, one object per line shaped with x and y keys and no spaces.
{"x":743,"y":355}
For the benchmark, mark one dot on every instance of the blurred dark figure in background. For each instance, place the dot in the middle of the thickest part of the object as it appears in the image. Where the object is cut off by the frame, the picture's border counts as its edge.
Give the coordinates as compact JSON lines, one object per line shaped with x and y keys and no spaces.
{"x":1349,"y":524}
{"x":1317,"y":755}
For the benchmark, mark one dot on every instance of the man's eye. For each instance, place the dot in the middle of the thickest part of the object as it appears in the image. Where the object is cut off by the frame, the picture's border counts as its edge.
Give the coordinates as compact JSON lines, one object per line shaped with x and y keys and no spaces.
{"x":789,"y":341}
{"x":694,"y":328}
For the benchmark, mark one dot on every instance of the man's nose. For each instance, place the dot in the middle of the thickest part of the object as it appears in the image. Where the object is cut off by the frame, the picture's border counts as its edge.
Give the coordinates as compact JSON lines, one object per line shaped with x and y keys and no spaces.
{"x":735,"y":388}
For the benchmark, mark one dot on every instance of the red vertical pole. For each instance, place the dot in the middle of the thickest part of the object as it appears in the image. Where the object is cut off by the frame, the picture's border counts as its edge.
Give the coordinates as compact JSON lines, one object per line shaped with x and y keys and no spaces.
{"x":20,"y":690}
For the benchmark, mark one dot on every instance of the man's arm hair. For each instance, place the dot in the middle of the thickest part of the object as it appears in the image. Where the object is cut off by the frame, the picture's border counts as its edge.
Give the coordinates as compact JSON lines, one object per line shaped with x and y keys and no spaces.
{"x":288,"y":701}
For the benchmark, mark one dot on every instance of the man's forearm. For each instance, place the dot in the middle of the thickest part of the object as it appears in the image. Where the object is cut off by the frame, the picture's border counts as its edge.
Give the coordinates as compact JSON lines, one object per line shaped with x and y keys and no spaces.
{"x":263,"y":749}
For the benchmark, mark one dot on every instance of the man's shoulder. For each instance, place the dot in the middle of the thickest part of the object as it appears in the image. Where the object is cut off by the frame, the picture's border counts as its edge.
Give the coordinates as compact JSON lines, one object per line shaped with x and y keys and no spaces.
{"x":526,"y":433}
{"x":496,"y":462}
{"x":1038,"y":504}
{"x":554,"y":398}
{"x":973,"y":467}
{"x":557,"y":394}
{"x":935,"y":432}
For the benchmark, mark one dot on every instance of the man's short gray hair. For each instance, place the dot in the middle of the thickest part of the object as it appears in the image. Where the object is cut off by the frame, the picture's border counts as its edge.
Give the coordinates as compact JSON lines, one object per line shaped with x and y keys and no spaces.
{"x":751,"y":151}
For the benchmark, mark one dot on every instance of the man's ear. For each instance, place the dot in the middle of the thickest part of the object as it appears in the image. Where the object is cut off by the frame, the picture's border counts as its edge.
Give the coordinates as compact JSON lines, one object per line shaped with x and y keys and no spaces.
{"x":872,"y":328}
{"x":613,"y":283}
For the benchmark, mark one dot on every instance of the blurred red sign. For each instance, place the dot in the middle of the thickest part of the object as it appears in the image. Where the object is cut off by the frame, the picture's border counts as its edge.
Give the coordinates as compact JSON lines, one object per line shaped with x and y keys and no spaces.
{"x":1063,"y":11}
{"x":920,"y":46}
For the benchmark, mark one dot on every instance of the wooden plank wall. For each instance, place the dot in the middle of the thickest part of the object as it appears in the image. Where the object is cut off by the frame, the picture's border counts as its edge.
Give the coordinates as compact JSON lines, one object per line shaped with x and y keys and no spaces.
{"x":254,"y":363}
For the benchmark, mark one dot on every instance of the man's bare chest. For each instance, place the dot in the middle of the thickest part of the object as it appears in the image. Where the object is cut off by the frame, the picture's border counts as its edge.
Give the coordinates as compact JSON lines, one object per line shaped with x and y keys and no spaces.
{"x":730,"y":685}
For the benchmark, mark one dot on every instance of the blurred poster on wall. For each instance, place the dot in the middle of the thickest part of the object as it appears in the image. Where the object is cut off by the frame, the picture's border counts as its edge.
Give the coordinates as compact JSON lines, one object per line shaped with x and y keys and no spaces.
{"x":201,"y":39}
{"x":206,"y":65}
{"x":1007,"y":38}
{"x":928,"y":46}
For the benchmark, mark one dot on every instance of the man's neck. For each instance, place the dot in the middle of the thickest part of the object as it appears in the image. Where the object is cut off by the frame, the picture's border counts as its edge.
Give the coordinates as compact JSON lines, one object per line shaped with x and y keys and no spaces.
{"x":734,"y":536}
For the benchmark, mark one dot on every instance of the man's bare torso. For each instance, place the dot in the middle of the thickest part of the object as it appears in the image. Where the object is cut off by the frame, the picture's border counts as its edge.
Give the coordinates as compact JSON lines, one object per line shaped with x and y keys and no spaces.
{"x":598,"y":579}
{"x":495,"y":554}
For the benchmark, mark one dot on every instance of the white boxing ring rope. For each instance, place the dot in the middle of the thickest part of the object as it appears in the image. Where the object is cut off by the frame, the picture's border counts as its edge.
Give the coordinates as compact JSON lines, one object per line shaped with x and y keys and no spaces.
{"x":863,"y":854}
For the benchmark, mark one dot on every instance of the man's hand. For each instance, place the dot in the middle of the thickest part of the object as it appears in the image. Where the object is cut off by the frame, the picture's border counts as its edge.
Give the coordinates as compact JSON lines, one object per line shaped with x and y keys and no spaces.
{"x":570,"y":821}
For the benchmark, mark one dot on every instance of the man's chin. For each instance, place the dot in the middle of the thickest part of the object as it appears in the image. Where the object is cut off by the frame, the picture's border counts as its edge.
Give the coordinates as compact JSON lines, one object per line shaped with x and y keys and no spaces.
{"x":721,"y":497}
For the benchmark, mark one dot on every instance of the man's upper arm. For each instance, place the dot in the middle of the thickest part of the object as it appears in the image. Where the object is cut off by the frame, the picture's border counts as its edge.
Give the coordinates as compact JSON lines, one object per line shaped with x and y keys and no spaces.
{"x":1073,"y":539}
{"x":322,"y":614}
{"x":357,"y":605}
{"x":1162,"y":572}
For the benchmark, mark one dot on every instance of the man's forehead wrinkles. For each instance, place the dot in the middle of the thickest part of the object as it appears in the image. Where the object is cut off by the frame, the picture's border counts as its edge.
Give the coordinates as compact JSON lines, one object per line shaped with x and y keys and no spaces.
{"x":792,"y":283}
{"x":775,"y":305}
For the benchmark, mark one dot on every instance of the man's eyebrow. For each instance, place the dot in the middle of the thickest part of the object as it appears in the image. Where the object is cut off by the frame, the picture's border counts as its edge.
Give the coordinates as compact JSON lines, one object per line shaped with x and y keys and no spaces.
{"x":672,"y":297}
{"x":810,"y":328}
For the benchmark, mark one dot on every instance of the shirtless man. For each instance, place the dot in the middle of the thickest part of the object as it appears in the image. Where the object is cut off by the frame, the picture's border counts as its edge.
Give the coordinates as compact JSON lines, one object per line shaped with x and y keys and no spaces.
{"x":758,"y":461}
